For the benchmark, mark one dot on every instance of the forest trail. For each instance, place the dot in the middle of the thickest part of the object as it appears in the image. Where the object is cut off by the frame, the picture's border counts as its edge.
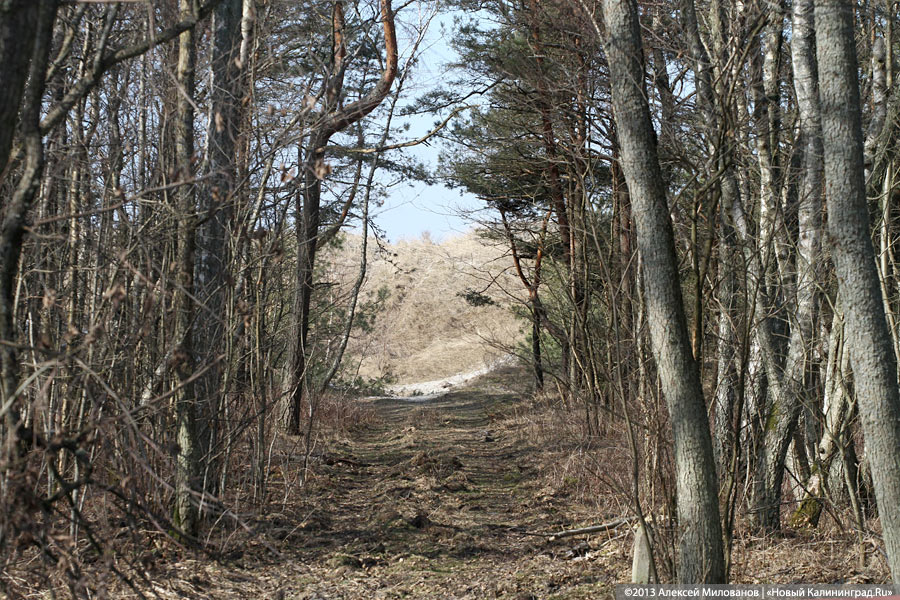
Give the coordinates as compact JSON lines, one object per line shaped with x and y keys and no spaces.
{"x":438,"y":500}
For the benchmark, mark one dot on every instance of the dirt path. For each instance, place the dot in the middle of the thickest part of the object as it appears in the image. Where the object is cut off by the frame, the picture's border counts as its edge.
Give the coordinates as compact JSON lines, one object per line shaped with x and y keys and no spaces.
{"x":439,"y":501}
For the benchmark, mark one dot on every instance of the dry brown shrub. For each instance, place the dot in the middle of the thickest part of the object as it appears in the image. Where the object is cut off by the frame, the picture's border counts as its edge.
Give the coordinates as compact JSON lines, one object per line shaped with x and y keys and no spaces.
{"x":339,"y":414}
{"x":594,"y":471}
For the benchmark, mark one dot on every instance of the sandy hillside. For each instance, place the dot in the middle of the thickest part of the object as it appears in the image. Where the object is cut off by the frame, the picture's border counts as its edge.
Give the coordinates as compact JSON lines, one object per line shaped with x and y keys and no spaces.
{"x":426,"y":330}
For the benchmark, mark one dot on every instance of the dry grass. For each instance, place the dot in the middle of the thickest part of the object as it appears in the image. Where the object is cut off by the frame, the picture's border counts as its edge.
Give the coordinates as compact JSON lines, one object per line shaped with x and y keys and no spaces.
{"x":825,"y":555}
{"x":592,"y":476}
{"x":454,"y":498}
{"x":425,"y":329}
{"x":340,"y":414}
{"x":592,"y":471}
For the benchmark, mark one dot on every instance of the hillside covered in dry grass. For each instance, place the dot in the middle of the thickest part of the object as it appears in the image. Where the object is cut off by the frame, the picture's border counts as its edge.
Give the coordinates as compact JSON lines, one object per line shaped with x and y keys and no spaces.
{"x":421,"y":326}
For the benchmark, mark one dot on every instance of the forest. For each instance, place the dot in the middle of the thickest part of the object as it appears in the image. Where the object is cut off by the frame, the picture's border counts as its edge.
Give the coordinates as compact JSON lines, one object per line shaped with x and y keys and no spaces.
{"x":691,"y":209}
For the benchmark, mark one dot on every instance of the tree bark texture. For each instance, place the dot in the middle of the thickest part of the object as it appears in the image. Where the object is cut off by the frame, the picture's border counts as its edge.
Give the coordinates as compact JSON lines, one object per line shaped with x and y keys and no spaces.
{"x":187,"y":469}
{"x":14,"y":437}
{"x":216,"y":209}
{"x":18,"y":23}
{"x":789,"y":392}
{"x":871,"y":352}
{"x":700,"y":551}
{"x":12,"y":229}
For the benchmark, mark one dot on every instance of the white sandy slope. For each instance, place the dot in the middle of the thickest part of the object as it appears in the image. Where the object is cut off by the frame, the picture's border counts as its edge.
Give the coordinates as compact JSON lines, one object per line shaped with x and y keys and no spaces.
{"x":429,"y":390}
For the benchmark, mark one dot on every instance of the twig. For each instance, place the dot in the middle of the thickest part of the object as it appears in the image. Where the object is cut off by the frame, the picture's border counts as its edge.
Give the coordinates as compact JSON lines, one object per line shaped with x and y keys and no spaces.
{"x":414,"y":142}
{"x":592,"y":529}
{"x":333,"y":460}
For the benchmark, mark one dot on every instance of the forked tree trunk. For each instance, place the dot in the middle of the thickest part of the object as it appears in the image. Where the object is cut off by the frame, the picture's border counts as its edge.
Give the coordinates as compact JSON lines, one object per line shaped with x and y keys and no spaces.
{"x":871,"y":352}
{"x":336,"y":118}
{"x":700,"y":551}
{"x":836,"y":409}
{"x":789,"y":393}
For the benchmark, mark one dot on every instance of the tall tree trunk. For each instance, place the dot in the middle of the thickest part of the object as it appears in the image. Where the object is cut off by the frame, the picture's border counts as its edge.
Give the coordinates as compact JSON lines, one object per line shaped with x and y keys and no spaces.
{"x":700,"y":547}
{"x":557,"y":195}
{"x":217,"y":206}
{"x":18,"y":23}
{"x":871,"y":352}
{"x":789,"y":395}
{"x":13,"y":435}
{"x":715,"y":116}
{"x":187,"y":460}
{"x":836,"y":409}
{"x":336,"y":118}
{"x":727,"y":384}
{"x":810,"y":201}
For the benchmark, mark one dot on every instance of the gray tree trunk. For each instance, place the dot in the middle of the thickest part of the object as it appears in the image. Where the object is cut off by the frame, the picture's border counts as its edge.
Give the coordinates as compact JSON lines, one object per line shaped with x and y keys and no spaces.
{"x":217,"y":206}
{"x":13,"y":436}
{"x":713,"y":117}
{"x":700,"y":553}
{"x":18,"y":22}
{"x":187,"y":470}
{"x":835,"y":407}
{"x":871,"y":352}
{"x":728,"y":381}
{"x":788,"y":391}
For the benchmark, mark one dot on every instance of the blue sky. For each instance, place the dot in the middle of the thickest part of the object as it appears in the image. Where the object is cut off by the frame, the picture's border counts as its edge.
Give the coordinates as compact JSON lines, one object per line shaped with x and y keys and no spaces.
{"x":413,"y":208}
